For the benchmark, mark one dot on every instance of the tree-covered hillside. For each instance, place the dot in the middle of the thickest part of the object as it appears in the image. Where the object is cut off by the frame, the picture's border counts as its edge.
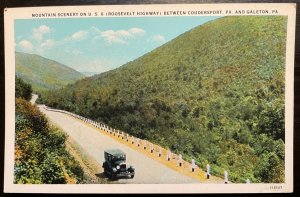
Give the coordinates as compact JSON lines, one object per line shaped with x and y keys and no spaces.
{"x":44,"y":74}
{"x":214,"y":93}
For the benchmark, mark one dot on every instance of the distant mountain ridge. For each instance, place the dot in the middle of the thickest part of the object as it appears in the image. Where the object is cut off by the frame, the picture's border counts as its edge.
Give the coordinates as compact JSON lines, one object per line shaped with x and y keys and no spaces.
{"x":42,"y":73}
{"x":89,"y":74}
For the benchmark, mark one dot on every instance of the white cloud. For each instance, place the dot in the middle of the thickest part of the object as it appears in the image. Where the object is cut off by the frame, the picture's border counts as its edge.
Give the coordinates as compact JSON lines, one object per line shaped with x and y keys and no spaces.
{"x":113,"y":36}
{"x":137,"y":31}
{"x":44,"y":29}
{"x":158,"y":38}
{"x":26,"y":45}
{"x":77,"y":36}
{"x":121,"y":36}
{"x":48,"y":44}
{"x":80,"y":35}
{"x":94,"y":31}
{"x":124,"y":33}
{"x":38,"y":33}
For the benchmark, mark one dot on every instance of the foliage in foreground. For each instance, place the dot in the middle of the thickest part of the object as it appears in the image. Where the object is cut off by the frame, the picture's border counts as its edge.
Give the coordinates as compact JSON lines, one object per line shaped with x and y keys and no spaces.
{"x":40,"y":155}
{"x":23,"y":90}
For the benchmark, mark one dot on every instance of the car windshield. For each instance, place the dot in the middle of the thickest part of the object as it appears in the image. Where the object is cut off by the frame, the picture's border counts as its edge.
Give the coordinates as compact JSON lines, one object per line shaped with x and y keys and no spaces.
{"x":118,"y":157}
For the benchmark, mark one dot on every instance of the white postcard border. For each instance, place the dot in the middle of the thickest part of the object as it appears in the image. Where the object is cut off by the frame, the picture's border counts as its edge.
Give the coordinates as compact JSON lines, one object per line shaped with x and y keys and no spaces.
{"x":26,"y":13}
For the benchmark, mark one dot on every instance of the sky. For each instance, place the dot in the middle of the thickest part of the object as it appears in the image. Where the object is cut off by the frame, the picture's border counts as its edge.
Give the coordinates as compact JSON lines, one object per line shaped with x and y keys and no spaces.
{"x":97,"y":45}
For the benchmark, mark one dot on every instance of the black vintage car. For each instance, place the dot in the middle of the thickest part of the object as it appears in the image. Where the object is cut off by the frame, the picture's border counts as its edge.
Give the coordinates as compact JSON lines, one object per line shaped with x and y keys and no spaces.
{"x":115,"y":164}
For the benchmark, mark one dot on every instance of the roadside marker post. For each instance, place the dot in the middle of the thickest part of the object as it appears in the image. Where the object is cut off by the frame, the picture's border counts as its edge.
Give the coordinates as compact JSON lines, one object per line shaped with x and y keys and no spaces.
{"x":225,"y":177}
{"x":168,"y":155}
{"x":145,"y":145}
{"x":159,"y":152}
{"x":207,"y":171}
{"x":193,"y":165}
{"x":180,"y":160}
{"x":151,"y":148}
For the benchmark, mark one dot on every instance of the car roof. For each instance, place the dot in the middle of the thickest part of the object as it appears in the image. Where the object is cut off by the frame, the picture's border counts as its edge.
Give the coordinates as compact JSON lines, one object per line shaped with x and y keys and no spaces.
{"x":114,"y":152}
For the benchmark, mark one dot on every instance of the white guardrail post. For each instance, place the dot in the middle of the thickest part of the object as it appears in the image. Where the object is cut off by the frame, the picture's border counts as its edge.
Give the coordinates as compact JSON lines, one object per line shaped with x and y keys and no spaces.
{"x":159,"y":152}
{"x":207,"y":171}
{"x":180,"y":160}
{"x":151,"y":148}
{"x":225,"y":177}
{"x":193,"y":165}
{"x":168,"y":155}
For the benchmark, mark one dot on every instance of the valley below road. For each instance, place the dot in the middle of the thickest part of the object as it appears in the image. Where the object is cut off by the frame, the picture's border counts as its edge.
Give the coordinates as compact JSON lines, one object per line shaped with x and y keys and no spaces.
{"x":93,"y":142}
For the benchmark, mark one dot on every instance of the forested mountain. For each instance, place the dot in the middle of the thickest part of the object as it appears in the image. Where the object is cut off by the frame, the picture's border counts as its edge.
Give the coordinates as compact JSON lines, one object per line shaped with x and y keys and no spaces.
{"x":214,"y":93}
{"x":44,"y":74}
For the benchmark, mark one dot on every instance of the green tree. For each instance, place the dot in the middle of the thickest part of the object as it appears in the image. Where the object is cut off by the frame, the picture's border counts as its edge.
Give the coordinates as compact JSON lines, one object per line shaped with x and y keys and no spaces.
{"x":23,"y":90}
{"x":271,"y":120}
{"x":270,"y":168}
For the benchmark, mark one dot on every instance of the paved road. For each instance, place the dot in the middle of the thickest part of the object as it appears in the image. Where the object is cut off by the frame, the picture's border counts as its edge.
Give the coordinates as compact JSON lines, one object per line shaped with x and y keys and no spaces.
{"x":93,"y":142}
{"x":33,"y":98}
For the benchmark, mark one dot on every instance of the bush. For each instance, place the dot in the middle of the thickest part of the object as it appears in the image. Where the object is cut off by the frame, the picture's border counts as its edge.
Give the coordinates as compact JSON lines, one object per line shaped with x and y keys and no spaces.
{"x":40,"y":155}
{"x":23,"y":90}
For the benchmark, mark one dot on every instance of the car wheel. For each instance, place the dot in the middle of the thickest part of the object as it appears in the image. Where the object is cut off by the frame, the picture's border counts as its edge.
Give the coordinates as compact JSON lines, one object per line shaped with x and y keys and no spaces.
{"x":105,"y":173}
{"x":112,"y":176}
{"x":131,"y":176}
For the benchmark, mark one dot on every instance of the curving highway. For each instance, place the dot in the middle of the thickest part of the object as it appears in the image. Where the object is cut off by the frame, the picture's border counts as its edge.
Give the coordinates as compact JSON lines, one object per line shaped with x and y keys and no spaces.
{"x":148,"y":171}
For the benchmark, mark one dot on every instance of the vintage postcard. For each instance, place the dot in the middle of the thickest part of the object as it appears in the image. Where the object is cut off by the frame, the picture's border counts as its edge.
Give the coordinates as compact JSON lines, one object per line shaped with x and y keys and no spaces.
{"x":176,"y":98}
